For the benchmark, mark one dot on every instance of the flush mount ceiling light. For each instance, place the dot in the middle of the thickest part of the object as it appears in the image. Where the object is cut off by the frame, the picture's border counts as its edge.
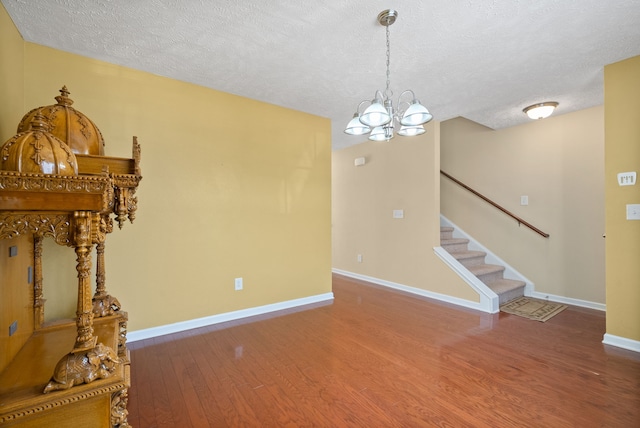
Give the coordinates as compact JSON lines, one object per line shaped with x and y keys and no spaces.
{"x":380,"y":118}
{"x":541,"y":110}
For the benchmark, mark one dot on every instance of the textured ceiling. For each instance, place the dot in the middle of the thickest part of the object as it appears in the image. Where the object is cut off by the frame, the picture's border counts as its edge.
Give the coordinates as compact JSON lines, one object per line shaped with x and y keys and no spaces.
{"x":481,"y":59}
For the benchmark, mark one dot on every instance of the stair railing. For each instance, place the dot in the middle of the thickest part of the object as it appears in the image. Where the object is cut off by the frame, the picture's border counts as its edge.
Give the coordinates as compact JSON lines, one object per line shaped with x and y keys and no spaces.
{"x":504,"y":210}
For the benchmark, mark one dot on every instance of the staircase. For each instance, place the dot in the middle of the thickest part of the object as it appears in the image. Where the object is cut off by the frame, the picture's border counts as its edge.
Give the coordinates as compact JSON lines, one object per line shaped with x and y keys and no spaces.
{"x":474,"y":261}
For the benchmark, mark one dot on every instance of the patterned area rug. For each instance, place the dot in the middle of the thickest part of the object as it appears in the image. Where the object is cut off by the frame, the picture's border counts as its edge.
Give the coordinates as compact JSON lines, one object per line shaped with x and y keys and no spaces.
{"x":534,"y":309}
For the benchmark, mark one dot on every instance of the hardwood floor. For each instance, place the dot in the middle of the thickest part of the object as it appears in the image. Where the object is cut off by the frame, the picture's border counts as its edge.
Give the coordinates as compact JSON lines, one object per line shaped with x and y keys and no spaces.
{"x":382,"y":358}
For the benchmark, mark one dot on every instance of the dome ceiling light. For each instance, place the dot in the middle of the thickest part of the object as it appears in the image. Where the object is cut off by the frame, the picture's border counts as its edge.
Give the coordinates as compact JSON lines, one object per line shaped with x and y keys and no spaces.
{"x":380,"y":117}
{"x":541,"y":110}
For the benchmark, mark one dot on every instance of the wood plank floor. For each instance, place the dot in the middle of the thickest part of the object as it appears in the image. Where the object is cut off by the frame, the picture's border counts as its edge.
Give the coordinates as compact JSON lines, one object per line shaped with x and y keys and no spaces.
{"x":381,"y":358}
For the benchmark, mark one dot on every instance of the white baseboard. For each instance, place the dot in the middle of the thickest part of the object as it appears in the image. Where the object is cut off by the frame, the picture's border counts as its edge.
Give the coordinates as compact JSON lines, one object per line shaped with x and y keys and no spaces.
{"x":228,"y":316}
{"x":569,"y":301}
{"x":413,"y":290}
{"x":621,"y":342}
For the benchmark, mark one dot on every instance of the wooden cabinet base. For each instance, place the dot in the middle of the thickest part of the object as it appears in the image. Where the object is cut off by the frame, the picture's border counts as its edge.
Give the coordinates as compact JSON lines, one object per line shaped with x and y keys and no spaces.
{"x":99,"y":404}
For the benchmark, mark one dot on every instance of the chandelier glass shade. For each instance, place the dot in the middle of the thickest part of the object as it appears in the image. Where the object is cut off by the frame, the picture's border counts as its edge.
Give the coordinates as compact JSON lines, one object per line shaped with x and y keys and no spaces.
{"x":380,"y":118}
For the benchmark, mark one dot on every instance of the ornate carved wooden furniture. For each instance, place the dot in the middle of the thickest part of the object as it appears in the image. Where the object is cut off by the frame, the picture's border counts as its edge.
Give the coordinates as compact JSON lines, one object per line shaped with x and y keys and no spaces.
{"x":55,"y":182}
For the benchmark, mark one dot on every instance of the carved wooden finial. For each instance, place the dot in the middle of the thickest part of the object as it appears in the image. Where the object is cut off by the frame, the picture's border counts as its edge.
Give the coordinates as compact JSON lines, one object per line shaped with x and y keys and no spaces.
{"x":63,"y":99}
{"x":39,"y":123}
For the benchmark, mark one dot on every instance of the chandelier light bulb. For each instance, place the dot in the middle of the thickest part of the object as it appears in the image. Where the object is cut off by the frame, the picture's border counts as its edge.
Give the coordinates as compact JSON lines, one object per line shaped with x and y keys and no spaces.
{"x":355,"y":127}
{"x":411,"y":131}
{"x":375,"y":114}
{"x":416,"y":114}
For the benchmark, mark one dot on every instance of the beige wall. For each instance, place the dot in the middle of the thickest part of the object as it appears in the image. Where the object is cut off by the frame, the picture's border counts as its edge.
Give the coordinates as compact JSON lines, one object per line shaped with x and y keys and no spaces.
{"x":401,"y":174}
{"x":221,"y":197}
{"x":622,"y":130}
{"x":558,"y":164}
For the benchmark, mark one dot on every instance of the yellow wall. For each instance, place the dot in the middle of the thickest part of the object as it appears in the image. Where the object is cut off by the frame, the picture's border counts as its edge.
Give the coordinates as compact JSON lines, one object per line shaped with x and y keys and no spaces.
{"x":222,"y":197}
{"x":558,"y":164}
{"x":622,"y":130}
{"x":400,"y":174}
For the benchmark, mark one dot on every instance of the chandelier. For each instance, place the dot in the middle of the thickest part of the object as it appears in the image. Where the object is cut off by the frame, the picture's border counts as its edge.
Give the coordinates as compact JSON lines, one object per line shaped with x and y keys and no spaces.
{"x":380,"y":118}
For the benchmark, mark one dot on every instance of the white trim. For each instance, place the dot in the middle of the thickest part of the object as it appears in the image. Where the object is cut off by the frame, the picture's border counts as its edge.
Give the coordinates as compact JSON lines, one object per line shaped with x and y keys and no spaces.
{"x":413,"y":290}
{"x":489,"y":300}
{"x":621,"y":342}
{"x":569,"y":301}
{"x":228,"y":316}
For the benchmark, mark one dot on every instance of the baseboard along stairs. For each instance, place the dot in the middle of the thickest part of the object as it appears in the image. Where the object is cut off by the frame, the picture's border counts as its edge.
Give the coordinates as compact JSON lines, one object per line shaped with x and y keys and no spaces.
{"x":474,"y":261}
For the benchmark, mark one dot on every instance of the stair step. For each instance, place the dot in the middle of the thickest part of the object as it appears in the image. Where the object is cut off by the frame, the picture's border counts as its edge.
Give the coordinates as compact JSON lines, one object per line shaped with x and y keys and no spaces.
{"x":487,"y":273}
{"x":469,"y":258}
{"x":507,"y":289}
{"x":446,"y":232}
{"x":454,"y":244}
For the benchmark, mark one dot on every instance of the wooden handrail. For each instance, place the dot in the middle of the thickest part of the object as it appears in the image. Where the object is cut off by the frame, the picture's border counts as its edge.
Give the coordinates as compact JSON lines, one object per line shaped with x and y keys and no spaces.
{"x":504,"y":210}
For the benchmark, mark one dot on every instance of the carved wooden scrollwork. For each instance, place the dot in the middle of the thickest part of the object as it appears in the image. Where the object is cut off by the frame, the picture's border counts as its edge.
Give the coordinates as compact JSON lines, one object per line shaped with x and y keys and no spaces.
{"x":10,"y":180}
{"x":119,"y":412}
{"x":56,"y":226}
{"x":122,"y":334}
{"x":38,"y":298}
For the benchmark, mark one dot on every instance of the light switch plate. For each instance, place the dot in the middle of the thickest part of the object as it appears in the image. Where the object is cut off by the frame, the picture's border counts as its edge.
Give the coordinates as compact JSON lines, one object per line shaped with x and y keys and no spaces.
{"x":633,"y":211}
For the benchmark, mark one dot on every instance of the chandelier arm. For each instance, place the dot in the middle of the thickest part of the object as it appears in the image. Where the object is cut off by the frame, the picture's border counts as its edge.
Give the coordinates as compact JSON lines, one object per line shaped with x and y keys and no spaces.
{"x":360,"y":105}
{"x":401,"y":109}
{"x":413,"y":95}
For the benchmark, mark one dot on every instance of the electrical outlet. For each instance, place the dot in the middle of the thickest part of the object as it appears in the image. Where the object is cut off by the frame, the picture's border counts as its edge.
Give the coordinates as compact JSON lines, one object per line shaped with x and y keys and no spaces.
{"x":627,"y":178}
{"x":238,"y":284}
{"x":524,"y":200}
{"x":359,"y":258}
{"x":398,"y":213}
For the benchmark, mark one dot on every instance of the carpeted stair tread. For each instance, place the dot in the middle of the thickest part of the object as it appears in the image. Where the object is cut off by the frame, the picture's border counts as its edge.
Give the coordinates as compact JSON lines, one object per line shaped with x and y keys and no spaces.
{"x":461,"y":255}
{"x":505,"y":285}
{"x":469,"y":258}
{"x":485,"y":269}
{"x":507,"y":289}
{"x":454,"y":241}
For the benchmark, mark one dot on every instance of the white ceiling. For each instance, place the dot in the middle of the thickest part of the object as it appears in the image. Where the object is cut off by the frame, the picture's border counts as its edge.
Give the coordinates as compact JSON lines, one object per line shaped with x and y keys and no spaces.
{"x":481,"y":59}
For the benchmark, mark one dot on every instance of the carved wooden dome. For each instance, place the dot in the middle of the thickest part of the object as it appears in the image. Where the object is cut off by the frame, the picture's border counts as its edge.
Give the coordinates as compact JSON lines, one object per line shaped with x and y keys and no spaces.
{"x":38,"y":151}
{"x":69,"y":125}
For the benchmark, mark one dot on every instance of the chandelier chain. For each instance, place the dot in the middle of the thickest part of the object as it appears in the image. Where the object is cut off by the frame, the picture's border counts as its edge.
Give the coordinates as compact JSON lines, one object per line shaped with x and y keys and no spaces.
{"x":388,"y":93}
